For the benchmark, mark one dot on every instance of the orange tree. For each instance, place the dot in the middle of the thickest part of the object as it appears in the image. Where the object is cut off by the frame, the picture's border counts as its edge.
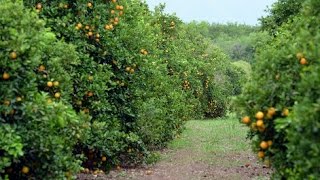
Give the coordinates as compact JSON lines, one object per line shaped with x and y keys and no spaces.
{"x":281,"y":103}
{"x":38,"y":126}
{"x":118,"y":77}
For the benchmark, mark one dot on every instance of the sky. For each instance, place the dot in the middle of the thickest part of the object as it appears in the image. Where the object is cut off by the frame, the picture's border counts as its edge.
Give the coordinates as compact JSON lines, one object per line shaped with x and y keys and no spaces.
{"x":218,"y":11}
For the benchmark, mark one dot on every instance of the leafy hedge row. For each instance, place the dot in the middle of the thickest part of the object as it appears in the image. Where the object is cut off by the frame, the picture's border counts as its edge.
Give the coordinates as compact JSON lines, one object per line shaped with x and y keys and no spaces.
{"x":98,"y":84}
{"x":281,"y":102}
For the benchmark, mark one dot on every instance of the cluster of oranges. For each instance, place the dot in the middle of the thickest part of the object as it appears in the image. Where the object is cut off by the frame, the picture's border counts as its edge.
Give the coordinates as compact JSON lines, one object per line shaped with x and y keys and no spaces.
{"x":259,"y":125}
{"x":143,"y":51}
{"x":52,"y":86}
{"x":131,"y":69}
{"x":186,"y":85}
{"x":302,"y":59}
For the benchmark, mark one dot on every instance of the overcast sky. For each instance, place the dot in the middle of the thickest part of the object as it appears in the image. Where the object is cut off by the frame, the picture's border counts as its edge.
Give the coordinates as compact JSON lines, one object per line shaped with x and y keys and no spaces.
{"x":219,"y":11}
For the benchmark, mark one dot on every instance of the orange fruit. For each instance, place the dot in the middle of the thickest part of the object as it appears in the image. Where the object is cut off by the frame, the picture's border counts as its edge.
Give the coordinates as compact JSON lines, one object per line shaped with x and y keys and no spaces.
{"x":89,"y":4}
{"x":57,"y":95}
{"x":131,"y":71}
{"x":271,"y":111}
{"x":114,"y":1}
{"x":90,"y":94}
{"x":66,"y":6}
{"x":121,"y":8}
{"x":90,"y":78}
{"x":261,"y":154}
{"x":259,"y":115}
{"x":285,"y":112}
{"x":13,"y":55}
{"x":145,"y":52}
{"x":116,"y":19}
{"x":42,"y":68}
{"x":128,"y":69}
{"x":56,"y":83}
{"x":120,"y":13}
{"x":18,"y":99}
{"x":112,"y":11}
{"x":246,"y":120}
{"x":303,"y":61}
{"x":49,"y":83}
{"x":25,"y":170}
{"x":104,"y":158}
{"x":39,"y":6}
{"x":269,"y":143}
{"x":5,"y":76}
{"x":79,"y":26}
{"x":264,"y":145}
{"x":117,"y":7}
{"x":260,"y":123}
{"x":90,"y":33}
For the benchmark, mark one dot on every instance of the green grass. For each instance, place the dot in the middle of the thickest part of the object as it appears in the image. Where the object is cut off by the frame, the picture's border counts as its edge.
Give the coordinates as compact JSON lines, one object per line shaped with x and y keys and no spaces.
{"x":212,"y":140}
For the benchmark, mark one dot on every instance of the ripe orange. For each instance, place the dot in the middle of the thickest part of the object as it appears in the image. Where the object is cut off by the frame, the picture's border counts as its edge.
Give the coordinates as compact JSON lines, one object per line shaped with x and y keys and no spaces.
{"x":121,"y":8}
{"x":39,"y":6}
{"x":269,"y":143}
{"x":271,"y":111}
{"x":145,"y":52}
{"x":259,"y":115}
{"x":285,"y":112}
{"x":260,"y":123}
{"x":264,"y":145}
{"x":116,"y":19}
{"x":246,"y":120}
{"x":57,"y":95}
{"x":56,"y":83}
{"x":42,"y":68}
{"x":49,"y":83}
{"x":114,"y":1}
{"x":120,"y":13}
{"x":90,"y":33}
{"x":303,"y":61}
{"x":90,"y":94}
{"x":13,"y":55}
{"x":25,"y":170}
{"x":5,"y":76}
{"x":79,"y":26}
{"x":18,"y":99}
{"x":89,"y":4}
{"x":117,"y":7}
{"x":261,"y":154}
{"x":104,"y":158}
{"x":128,"y":69}
{"x":131,"y":71}
{"x":112,"y":11}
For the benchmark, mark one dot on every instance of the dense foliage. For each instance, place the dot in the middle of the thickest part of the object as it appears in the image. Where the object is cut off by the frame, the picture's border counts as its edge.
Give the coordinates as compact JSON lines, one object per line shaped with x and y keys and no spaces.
{"x":281,"y":103}
{"x":281,"y":12}
{"x":98,"y":84}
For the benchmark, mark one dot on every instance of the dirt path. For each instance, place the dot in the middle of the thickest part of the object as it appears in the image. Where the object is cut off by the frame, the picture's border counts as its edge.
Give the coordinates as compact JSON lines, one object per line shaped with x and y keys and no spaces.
{"x":206,"y":150}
